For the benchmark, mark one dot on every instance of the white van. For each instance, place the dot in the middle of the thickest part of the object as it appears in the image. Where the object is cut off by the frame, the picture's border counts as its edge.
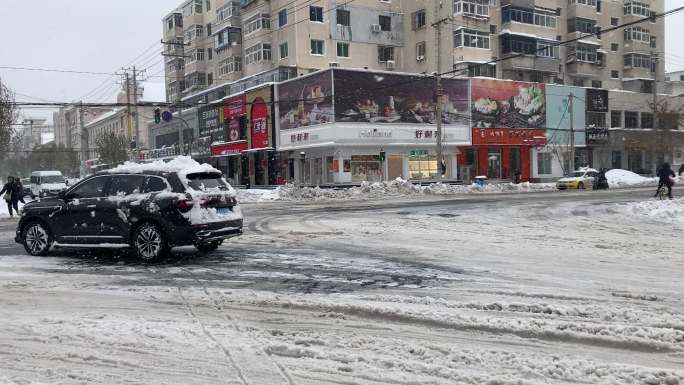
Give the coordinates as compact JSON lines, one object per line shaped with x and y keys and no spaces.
{"x":44,"y":183}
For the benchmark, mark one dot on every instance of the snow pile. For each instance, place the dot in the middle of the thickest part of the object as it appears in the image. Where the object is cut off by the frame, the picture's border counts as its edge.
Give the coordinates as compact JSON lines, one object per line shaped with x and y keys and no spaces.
{"x":395,"y":188}
{"x":3,"y":209}
{"x":624,"y":178}
{"x":662,"y":210}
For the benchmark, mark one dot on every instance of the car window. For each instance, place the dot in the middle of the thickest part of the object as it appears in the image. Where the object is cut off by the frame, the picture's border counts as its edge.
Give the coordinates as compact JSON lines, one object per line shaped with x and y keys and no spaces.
{"x":206,"y":181}
{"x":591,"y":173}
{"x":154,"y":184}
{"x":126,"y":184}
{"x":93,"y":188}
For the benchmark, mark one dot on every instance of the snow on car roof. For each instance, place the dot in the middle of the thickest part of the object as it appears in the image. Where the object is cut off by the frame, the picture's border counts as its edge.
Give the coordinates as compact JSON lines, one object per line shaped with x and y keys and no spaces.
{"x":181,"y":165}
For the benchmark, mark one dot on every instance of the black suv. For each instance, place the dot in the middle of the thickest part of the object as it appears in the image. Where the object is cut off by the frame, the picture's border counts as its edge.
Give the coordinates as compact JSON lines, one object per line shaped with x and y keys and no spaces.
{"x":149,"y":212}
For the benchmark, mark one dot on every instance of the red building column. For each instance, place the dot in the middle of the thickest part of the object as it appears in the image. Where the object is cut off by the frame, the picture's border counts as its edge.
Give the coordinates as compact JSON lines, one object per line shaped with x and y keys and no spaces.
{"x":460,"y":161}
{"x":482,"y":160}
{"x":525,"y":164}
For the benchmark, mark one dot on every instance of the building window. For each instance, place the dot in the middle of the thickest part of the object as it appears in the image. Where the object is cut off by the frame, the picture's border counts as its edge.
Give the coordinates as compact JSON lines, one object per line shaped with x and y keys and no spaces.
{"x":282,"y":18}
{"x":317,"y":47}
{"x":343,"y":17}
{"x":586,"y":53}
{"x":385,"y":23}
{"x":614,"y":21}
{"x":596,"y":84}
{"x":615,"y":74}
{"x":258,"y":53}
{"x":638,"y":8}
{"x":227,"y":11}
{"x":483,"y":70}
{"x":520,"y":15}
{"x":654,"y":42}
{"x":226,"y":38}
{"x":545,"y":19}
{"x":631,"y":119}
{"x":596,"y":119}
{"x":544,"y":160}
{"x":418,"y":19}
{"x":283,"y":50}
{"x":316,"y":14}
{"x":638,"y":34}
{"x":342,"y":49}
{"x":193,"y":32}
{"x":230,"y":65}
{"x":636,"y":60}
{"x":472,"y":7}
{"x":471,"y":38}
{"x":581,"y":25}
{"x":209,"y":54}
{"x":614,"y":47}
{"x":420,"y":51}
{"x":385,"y":54}
{"x":548,"y":49}
{"x":615,"y":119}
{"x":256,"y":23}
{"x":518,"y":44}
{"x":646,"y":120}
{"x":681,"y":78}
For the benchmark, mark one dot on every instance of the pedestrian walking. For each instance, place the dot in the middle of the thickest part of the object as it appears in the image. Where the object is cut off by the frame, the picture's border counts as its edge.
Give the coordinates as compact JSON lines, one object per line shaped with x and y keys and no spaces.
{"x":681,"y":170}
{"x":12,"y":192}
{"x":664,"y":174}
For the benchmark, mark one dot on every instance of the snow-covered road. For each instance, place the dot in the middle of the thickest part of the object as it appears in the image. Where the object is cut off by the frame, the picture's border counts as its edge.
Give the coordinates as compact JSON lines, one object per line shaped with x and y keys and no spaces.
{"x":566,"y":288}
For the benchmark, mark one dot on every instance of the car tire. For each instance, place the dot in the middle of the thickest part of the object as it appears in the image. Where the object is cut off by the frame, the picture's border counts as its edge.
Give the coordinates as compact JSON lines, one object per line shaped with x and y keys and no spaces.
{"x":580,"y":186}
{"x":36,"y":238}
{"x":208,"y":246}
{"x":149,"y":242}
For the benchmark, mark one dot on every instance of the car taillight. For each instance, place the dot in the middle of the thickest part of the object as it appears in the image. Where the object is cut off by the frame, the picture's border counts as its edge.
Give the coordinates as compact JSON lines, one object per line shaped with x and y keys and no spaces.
{"x":184,"y":205}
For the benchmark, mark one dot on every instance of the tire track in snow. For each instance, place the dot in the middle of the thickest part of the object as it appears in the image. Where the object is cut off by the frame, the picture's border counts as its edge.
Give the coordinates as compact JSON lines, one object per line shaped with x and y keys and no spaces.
{"x":211,"y":337}
{"x":281,"y":369}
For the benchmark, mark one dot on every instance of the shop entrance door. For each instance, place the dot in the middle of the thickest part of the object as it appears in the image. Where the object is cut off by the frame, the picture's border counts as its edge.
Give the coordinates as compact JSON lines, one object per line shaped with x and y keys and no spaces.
{"x":494,"y":163}
{"x":317,"y":172}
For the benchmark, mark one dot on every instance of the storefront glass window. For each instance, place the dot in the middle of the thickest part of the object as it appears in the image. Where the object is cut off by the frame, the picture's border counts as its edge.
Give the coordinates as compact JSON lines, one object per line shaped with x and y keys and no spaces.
{"x":494,"y":164}
{"x":330,"y":169}
{"x":422,"y":166}
{"x":366,"y":168}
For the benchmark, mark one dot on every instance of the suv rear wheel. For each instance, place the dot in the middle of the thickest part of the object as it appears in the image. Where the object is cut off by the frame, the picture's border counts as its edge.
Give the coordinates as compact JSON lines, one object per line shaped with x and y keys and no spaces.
{"x":37,"y":238}
{"x":149,"y":243}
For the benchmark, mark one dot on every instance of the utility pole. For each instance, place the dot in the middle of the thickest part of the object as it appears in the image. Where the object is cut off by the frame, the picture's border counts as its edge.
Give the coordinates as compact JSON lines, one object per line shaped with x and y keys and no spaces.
{"x":572,"y":132}
{"x":135,"y":106}
{"x":654,"y":65}
{"x":438,"y":109}
{"x":128,"y":105}
{"x":179,"y":77}
{"x":84,"y":140}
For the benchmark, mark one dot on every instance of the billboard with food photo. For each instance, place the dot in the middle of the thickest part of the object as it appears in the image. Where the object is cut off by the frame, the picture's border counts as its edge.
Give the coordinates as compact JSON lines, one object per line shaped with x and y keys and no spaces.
{"x":380,"y":97}
{"x":502,"y":104}
{"x":306,"y":101}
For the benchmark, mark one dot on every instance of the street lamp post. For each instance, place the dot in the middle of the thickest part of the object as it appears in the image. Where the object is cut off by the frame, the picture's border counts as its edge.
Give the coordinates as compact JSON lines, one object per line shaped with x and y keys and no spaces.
{"x":302,"y":157}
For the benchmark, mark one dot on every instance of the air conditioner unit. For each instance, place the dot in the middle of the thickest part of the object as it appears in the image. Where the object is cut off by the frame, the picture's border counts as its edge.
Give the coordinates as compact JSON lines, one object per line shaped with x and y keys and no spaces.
{"x":390,"y":64}
{"x":333,"y":64}
{"x":420,"y":57}
{"x":375,"y":28}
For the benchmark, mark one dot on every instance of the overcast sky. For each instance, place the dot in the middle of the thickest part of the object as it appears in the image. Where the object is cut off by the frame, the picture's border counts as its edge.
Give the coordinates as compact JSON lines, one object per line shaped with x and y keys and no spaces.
{"x":102,"y":36}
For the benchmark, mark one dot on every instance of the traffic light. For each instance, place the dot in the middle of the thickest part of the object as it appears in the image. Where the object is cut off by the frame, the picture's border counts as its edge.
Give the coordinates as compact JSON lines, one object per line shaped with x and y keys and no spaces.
{"x":382,"y":156}
{"x":157,"y":115}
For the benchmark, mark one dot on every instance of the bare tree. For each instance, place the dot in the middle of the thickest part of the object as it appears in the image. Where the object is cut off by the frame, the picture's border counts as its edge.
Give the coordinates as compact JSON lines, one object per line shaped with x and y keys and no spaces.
{"x":8,"y":116}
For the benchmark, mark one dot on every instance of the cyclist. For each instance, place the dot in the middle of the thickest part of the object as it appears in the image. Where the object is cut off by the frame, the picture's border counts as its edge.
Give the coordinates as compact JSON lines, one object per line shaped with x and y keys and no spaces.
{"x":665,"y":173}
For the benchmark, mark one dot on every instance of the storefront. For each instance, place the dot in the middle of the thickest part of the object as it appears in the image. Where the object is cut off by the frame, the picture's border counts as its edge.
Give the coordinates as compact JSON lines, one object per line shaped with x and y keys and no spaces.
{"x":265,"y":166}
{"x":375,"y":127}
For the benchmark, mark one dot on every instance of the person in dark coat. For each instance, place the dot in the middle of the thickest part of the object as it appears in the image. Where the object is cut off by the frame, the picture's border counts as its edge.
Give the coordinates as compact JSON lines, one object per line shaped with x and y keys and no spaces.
{"x":13,"y":193}
{"x":664,"y":175}
{"x":681,"y":170}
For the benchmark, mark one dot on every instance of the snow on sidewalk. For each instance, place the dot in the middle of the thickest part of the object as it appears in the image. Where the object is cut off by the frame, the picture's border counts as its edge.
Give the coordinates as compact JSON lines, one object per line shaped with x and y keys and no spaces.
{"x":392,"y":189}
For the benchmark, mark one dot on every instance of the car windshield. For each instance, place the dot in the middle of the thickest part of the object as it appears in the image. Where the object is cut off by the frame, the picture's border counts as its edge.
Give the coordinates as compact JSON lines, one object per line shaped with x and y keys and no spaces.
{"x":206,"y":181}
{"x":578,"y":174}
{"x":52,"y":179}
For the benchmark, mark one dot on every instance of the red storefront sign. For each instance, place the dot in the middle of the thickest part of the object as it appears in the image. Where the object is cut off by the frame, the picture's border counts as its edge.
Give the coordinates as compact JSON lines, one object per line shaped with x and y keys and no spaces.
{"x":234,"y":107}
{"x":259,"y":122}
{"x":509,"y":136}
{"x":227,"y":149}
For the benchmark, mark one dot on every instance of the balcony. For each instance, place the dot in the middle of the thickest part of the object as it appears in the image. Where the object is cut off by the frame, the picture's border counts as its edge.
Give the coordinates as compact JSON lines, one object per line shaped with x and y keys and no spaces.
{"x":532,"y":63}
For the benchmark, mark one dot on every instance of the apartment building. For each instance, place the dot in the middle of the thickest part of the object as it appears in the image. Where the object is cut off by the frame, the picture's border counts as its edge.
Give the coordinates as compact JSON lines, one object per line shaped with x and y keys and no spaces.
{"x":218,"y":44}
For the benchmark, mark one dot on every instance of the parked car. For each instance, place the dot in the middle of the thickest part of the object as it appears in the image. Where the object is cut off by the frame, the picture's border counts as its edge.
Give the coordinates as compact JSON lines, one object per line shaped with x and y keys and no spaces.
{"x":45,"y":183}
{"x":580,"y":179}
{"x":26,"y":185}
{"x":147,"y":211}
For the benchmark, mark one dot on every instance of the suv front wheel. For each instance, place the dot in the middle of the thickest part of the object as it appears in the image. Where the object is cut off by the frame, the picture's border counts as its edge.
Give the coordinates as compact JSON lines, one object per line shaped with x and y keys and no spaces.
{"x":149,"y":243}
{"x":37,"y":238}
